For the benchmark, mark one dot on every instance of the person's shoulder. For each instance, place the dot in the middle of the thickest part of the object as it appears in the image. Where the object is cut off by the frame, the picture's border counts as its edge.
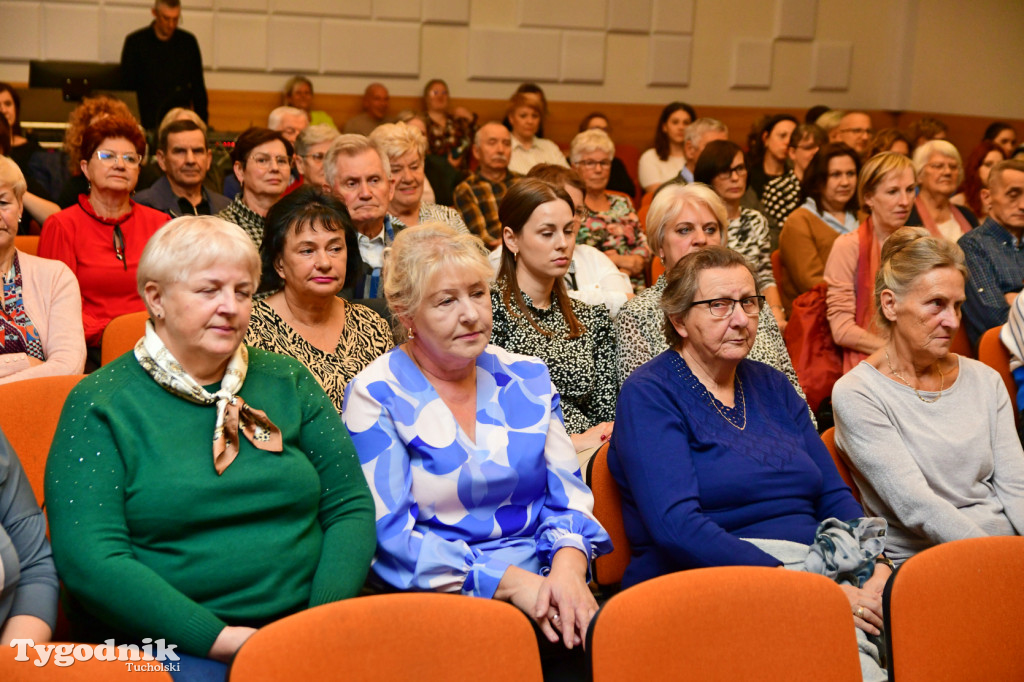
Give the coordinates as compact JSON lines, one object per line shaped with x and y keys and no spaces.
{"x":139,"y":36}
{"x":979,"y":371}
{"x":863,"y":378}
{"x":649,"y":154}
{"x":653,"y":374}
{"x":183,"y":37}
{"x":218,"y":202}
{"x":113,"y":382}
{"x":36,"y":266}
{"x":364,"y":314}
{"x":521,"y":366}
{"x":590,"y":311}
{"x":150,"y":216}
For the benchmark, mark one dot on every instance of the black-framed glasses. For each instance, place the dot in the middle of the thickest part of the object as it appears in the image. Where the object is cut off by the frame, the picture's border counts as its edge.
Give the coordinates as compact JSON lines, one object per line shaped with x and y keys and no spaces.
{"x":723,"y":307}
{"x":119,"y":246}
{"x":740,"y":170}
{"x":591,"y":164}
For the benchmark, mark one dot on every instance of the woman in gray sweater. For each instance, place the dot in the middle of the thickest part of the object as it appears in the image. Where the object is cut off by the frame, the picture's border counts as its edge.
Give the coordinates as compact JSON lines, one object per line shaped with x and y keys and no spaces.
{"x":930,"y":434}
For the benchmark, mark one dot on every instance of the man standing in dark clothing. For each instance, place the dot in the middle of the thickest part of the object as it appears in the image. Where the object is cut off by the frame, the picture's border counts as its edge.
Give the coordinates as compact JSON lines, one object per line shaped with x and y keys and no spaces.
{"x":163,"y":65}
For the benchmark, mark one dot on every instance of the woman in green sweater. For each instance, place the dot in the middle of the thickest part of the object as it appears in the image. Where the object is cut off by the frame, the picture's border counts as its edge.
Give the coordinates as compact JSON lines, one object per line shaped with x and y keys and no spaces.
{"x":155,"y":533}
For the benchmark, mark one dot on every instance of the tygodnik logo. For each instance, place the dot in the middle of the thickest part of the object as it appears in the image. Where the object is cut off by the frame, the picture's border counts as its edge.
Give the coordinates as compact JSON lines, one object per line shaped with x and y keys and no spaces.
{"x":64,"y":655}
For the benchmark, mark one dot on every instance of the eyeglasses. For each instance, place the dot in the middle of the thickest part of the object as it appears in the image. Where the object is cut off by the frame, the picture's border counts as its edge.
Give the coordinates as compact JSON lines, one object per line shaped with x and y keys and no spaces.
{"x":740,"y":170}
{"x":590,"y":164}
{"x":318,"y":157}
{"x":262,"y":161}
{"x":723,"y":307}
{"x":119,"y":246}
{"x":108,"y":157}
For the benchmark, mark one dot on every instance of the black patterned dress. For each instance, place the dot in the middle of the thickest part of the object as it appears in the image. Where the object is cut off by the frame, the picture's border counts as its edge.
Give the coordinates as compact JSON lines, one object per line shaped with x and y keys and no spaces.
{"x":366,"y":337}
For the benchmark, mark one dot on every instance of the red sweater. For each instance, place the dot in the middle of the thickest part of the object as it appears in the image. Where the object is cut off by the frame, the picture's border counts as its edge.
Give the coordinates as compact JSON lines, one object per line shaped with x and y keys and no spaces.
{"x":85,"y":242}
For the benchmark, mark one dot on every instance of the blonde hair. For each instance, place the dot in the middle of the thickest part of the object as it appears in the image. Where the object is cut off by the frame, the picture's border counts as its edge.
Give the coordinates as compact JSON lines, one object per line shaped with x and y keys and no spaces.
{"x":180,"y":114}
{"x":11,"y":176}
{"x":925,"y":152}
{"x":875,"y":170}
{"x":398,"y":139}
{"x":908,"y":253}
{"x":593,"y":140}
{"x":191,"y":243}
{"x":418,"y":254}
{"x":673,"y":198}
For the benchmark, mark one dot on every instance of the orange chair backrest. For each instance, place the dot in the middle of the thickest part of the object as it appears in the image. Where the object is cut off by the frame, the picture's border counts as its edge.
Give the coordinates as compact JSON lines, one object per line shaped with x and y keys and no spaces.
{"x":27,"y":243}
{"x":121,"y":335}
{"x":829,"y":438}
{"x":953,"y":612}
{"x":993,"y":353}
{"x":91,"y":670}
{"x":427,"y":637}
{"x":726,"y":624}
{"x":609,"y":568}
{"x":962,"y":343}
{"x":778,"y":268}
{"x":31,"y":409}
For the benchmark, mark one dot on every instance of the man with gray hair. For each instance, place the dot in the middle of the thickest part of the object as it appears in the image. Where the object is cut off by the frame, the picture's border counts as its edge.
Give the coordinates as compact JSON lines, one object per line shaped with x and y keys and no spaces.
{"x":289,"y":121}
{"x":478,"y":196}
{"x":359,"y":174}
{"x":698,"y":135}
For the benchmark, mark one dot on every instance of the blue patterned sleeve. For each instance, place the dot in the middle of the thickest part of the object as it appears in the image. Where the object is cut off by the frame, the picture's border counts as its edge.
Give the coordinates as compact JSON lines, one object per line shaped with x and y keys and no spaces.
{"x":567,"y":519}
{"x":407,"y":558}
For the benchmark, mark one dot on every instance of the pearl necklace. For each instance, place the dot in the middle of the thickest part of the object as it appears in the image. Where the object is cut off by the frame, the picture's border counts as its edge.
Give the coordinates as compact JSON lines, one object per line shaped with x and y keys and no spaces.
{"x":938,"y":366}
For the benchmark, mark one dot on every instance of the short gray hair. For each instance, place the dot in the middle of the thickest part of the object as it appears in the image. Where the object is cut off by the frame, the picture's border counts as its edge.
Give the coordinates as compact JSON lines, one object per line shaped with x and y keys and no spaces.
{"x":421,"y":252}
{"x":673,"y":198}
{"x":351,"y":144}
{"x":278,"y":114}
{"x":908,"y":253}
{"x":312,"y":136}
{"x":11,"y":176}
{"x":924,"y":153}
{"x":191,"y":243}
{"x":701,"y":127}
{"x":398,"y":139}
{"x":829,"y":121}
{"x":593,"y":140}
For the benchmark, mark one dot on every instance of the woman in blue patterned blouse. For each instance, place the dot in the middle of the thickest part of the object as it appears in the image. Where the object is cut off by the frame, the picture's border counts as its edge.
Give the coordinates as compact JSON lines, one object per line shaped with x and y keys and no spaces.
{"x":475,"y":480}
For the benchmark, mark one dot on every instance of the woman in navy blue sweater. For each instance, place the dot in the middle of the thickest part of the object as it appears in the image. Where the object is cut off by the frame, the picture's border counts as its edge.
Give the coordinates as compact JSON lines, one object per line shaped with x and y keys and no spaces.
{"x":736,"y":458}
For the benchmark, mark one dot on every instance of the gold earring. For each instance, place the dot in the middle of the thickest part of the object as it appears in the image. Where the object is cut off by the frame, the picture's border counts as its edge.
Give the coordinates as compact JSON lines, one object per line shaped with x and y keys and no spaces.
{"x":411,"y":334}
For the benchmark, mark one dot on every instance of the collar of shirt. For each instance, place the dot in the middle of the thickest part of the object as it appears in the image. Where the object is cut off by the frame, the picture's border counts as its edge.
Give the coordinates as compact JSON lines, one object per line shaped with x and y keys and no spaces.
{"x":849,"y":223}
{"x":1000,"y":233}
{"x":686,"y":174}
{"x":371,"y":249}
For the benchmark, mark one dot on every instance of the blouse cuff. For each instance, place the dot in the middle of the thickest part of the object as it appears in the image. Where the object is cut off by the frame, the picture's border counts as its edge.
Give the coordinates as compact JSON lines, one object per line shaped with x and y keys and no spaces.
{"x":37,"y":599}
{"x":484,"y":577}
{"x":576,"y":541}
{"x":200,"y":632}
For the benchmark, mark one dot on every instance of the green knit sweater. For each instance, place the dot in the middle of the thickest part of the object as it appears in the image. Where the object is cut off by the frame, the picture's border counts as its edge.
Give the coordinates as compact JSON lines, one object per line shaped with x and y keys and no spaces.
{"x":151,"y":542}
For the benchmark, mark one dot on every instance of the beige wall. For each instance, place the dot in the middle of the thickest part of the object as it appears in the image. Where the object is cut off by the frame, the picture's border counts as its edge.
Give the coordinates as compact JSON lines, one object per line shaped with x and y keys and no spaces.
{"x":922,"y":55}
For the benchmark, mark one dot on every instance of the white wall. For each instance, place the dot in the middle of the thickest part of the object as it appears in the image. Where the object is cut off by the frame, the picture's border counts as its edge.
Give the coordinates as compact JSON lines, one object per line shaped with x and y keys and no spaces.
{"x":935,"y":55}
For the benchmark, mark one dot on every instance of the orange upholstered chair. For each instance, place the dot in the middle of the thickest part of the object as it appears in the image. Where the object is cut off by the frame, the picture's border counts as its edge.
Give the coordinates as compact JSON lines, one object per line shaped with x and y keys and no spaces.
{"x":726,"y":624}
{"x":609,"y":568}
{"x":27,"y":243}
{"x":426,"y":637}
{"x":78,"y":671}
{"x":953,"y":612}
{"x":121,"y":335}
{"x":29,"y":417}
{"x":829,"y":438}
{"x":962,"y":344}
{"x":993,"y":353}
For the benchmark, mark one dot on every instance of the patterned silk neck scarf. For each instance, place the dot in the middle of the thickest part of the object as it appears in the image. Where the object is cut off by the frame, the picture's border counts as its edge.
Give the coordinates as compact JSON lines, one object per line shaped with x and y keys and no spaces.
{"x":19,"y":334}
{"x":158,"y":362}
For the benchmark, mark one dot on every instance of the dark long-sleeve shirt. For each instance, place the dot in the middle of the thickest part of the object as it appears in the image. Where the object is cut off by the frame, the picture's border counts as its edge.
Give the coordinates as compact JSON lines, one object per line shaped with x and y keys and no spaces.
{"x":164,"y":73}
{"x":995,"y":267}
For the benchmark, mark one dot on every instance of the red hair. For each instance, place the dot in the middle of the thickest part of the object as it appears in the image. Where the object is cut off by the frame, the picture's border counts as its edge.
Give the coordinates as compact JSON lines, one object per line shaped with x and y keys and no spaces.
{"x":108,"y":128}
{"x":972,"y":183}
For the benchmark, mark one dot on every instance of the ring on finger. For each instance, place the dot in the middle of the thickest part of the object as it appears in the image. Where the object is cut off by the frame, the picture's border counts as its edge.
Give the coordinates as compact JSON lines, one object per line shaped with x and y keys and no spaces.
{"x":860,"y":612}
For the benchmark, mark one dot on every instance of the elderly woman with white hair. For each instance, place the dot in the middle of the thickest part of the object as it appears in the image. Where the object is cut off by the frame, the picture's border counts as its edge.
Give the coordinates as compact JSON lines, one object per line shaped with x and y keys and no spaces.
{"x":683,"y":219}
{"x":310,"y":150}
{"x":41,"y":313}
{"x":239,"y":446}
{"x":445,"y":406}
{"x":608,"y":220}
{"x":940,"y":173}
{"x":405,"y":147}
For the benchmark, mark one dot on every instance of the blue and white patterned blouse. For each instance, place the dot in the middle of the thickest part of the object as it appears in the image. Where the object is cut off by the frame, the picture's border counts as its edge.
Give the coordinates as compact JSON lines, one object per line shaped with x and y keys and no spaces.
{"x":453,"y":514}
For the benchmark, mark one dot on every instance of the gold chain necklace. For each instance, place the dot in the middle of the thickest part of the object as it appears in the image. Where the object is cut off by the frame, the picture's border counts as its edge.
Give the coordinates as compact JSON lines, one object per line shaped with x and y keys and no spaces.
{"x":938,"y":366}
{"x":741,"y":404}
